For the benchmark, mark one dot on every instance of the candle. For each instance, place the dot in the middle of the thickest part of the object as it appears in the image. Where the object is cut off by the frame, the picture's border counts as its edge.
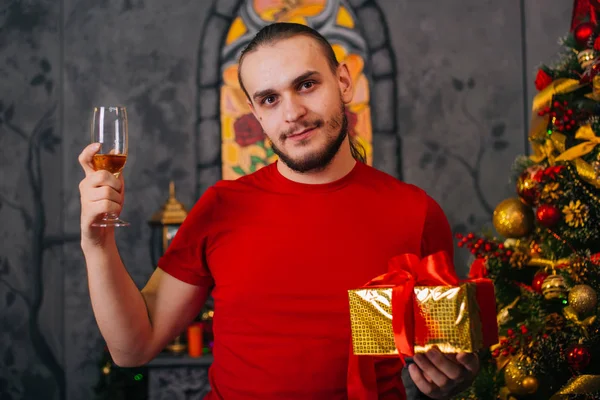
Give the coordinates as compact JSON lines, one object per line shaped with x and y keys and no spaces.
{"x":194,"y":337}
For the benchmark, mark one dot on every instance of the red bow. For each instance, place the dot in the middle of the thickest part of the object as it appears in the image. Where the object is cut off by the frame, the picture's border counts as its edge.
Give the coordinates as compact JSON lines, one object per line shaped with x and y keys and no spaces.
{"x":478,"y":269}
{"x":404,"y":272}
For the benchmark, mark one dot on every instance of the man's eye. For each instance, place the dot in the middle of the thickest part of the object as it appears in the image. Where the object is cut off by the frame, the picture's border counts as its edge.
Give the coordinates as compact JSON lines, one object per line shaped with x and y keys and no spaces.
{"x":307,"y":85}
{"x":269,"y":100}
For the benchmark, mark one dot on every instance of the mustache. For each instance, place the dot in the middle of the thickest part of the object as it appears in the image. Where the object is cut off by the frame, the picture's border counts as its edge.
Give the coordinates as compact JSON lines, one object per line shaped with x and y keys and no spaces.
{"x":301,"y":126}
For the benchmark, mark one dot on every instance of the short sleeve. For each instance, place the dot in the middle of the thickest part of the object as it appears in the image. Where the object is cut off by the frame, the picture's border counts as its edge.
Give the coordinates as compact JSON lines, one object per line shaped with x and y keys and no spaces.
{"x":437,"y":235}
{"x":185,"y":258}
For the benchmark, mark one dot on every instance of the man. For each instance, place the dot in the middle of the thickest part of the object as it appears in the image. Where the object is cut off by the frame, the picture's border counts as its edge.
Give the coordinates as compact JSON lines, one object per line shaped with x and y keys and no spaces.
{"x":279,"y":248}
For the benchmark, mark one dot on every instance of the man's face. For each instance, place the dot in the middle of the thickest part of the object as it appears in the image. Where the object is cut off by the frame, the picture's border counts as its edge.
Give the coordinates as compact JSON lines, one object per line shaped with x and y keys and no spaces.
{"x":298,"y":100}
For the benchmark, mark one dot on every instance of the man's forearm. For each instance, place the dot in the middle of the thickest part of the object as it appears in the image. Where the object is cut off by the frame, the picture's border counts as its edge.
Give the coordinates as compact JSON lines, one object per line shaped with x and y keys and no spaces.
{"x":118,"y":305}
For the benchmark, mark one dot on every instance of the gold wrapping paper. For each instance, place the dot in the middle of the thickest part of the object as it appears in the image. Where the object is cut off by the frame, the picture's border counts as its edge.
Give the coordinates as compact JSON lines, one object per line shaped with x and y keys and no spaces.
{"x":451,"y":315}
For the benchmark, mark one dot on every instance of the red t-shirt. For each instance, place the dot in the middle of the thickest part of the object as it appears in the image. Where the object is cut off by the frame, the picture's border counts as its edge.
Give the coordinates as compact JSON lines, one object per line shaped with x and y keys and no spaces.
{"x":281,"y":256}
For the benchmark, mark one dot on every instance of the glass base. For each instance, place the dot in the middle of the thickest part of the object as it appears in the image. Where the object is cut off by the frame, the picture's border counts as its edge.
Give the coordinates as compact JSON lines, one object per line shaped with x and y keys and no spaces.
{"x":109,"y":221}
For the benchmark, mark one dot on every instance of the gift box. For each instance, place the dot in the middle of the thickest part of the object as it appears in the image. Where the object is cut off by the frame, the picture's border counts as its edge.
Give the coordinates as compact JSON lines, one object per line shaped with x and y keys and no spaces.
{"x":419,"y":304}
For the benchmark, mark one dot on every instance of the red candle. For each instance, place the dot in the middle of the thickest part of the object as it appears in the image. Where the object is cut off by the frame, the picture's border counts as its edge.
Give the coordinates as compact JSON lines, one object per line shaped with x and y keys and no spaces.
{"x":194,"y":337}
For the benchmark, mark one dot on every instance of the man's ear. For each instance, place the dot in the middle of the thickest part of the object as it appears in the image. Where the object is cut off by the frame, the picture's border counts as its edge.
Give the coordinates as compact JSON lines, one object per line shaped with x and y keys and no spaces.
{"x":345,"y":82}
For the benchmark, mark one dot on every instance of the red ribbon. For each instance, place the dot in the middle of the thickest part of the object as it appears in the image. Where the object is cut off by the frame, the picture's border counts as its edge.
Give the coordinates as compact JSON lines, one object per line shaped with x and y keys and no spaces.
{"x":478,"y":269}
{"x":404,"y":273}
{"x":485,"y":293}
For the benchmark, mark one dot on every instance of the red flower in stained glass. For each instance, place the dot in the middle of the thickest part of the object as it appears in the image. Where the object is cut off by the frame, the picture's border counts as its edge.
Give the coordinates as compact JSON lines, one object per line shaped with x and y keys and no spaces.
{"x":248,"y":130}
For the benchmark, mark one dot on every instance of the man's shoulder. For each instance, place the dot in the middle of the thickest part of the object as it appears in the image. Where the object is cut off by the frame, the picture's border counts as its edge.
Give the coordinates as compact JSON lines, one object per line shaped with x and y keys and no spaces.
{"x":250,"y":182}
{"x":385,"y":182}
{"x":228,"y":194}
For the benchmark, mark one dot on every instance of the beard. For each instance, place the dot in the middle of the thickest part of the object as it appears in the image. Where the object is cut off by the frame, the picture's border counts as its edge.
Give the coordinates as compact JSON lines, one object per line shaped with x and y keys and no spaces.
{"x":321,"y":158}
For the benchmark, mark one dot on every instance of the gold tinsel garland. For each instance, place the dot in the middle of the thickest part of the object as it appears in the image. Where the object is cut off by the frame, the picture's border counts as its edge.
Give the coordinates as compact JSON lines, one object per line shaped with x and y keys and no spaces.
{"x":583,"y":384}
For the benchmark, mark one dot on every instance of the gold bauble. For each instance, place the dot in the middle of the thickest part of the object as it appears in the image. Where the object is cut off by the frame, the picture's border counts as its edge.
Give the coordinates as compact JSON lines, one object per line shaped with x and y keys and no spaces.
{"x":515,"y":374}
{"x":530,"y":384}
{"x":583,"y":299}
{"x":513,"y":219}
{"x":554,"y":287}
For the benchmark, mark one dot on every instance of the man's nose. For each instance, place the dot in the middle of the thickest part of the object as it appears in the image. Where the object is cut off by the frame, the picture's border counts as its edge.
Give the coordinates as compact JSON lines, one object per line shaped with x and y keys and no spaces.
{"x":293,"y":109}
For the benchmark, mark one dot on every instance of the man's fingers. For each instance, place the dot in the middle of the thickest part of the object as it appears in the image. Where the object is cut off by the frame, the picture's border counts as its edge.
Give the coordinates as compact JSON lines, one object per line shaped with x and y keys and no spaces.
{"x":420,"y":380}
{"x":85,"y":158}
{"x":427,"y":377}
{"x":446,"y":364}
{"x":104,"y":193}
{"x":100,"y":207}
{"x":425,"y":364}
{"x":103,"y":178}
{"x":470,"y":361}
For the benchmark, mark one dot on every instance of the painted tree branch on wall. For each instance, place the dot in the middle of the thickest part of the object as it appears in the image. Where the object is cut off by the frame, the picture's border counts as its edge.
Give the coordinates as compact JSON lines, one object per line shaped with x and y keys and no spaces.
{"x":42,"y":138}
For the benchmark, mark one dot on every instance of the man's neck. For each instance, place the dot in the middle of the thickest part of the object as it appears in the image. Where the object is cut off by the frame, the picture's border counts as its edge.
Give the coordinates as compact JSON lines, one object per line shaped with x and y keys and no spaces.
{"x":340,"y":166}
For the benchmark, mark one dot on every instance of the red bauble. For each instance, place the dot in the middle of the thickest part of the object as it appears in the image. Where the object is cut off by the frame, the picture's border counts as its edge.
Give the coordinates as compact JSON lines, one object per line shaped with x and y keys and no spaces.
{"x":583,"y":32}
{"x":547,"y":215}
{"x":528,"y":185}
{"x":578,"y":357}
{"x":538,"y":279}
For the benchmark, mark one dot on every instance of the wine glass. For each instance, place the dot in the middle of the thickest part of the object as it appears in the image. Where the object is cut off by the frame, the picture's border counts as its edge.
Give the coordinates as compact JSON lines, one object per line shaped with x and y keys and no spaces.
{"x":109,"y":128}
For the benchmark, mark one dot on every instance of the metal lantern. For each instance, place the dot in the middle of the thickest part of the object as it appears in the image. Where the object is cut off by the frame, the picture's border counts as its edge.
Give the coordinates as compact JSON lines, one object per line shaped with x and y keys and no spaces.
{"x":165,"y":223}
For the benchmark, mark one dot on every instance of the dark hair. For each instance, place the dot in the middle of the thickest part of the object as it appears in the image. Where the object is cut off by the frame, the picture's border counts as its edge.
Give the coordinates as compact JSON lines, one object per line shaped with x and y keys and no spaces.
{"x":275,"y":32}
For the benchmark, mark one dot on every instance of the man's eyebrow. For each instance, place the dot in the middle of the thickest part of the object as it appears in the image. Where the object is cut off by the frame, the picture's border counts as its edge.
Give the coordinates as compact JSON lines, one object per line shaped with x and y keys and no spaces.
{"x":303,"y":77}
{"x":296,"y":81}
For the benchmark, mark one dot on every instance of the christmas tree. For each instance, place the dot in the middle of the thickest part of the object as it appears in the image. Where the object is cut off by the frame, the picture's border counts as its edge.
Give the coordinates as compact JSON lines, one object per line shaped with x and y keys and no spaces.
{"x":545,"y":263}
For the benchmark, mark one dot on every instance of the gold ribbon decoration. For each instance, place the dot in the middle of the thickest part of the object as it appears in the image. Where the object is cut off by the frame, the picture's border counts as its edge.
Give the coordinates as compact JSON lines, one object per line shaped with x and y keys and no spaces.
{"x":582,"y":384}
{"x":595,"y":95}
{"x":541,"y":151}
{"x":545,"y":142}
{"x":572,"y":316}
{"x":558,"y":141}
{"x":587,"y":172}
{"x":538,"y":126}
{"x":591,"y":141}
{"x":559,"y":86}
{"x":543,"y":99}
{"x":548,"y":264}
